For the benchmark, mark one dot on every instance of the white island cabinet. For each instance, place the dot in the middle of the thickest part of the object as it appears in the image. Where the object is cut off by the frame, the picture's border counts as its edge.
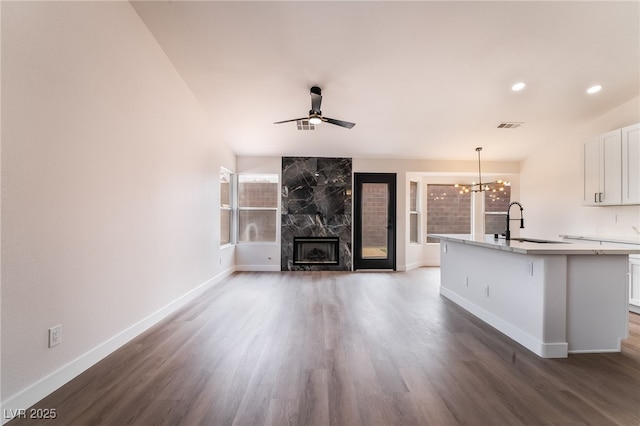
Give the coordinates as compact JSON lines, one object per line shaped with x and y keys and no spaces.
{"x":552,"y":298}
{"x":634,"y":261}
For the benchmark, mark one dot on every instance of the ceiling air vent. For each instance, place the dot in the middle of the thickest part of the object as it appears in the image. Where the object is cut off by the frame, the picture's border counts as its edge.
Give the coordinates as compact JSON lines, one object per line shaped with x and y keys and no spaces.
{"x":509,"y":125}
{"x":305,"y":125}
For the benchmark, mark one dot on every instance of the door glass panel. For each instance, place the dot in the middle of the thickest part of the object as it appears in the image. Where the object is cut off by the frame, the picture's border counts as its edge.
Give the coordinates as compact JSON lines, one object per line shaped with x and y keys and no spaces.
{"x":375,"y":220}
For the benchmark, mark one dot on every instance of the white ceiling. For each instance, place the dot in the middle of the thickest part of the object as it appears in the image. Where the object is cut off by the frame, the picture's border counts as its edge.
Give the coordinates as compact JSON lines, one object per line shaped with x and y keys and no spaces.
{"x":420,"y":79}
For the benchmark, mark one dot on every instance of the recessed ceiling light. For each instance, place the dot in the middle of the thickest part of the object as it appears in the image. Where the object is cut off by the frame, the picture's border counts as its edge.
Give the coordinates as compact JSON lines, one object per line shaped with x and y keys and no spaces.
{"x":594,"y":89}
{"x":518,"y":86}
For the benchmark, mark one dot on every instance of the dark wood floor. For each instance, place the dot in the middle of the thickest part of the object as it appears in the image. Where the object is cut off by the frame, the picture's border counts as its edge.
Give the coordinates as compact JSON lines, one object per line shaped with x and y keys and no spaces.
{"x":331,"y":348}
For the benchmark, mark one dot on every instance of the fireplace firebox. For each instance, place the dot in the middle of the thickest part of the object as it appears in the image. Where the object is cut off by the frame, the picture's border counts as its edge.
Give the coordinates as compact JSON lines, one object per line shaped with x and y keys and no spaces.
{"x":316,"y":250}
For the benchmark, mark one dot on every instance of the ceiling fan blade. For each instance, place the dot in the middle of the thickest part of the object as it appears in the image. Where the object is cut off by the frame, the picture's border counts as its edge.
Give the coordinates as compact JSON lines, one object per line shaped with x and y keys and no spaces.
{"x":289,"y":121}
{"x":316,"y":99}
{"x":341,"y":123}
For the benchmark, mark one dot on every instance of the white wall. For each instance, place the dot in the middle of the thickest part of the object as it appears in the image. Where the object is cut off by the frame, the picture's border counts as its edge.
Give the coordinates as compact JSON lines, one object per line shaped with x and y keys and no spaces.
{"x":110,"y":189}
{"x":552,"y":184}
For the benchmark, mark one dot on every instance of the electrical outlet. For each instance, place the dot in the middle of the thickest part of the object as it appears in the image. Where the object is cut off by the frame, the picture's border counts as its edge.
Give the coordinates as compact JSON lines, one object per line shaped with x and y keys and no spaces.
{"x":55,"y":335}
{"x":486,"y":291}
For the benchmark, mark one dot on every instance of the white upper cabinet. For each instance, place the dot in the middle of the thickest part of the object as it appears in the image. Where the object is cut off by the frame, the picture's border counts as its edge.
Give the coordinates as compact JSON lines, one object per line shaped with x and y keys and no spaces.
{"x":610,"y":173}
{"x":612,"y":168}
{"x":602,"y":169}
{"x":631,"y":164}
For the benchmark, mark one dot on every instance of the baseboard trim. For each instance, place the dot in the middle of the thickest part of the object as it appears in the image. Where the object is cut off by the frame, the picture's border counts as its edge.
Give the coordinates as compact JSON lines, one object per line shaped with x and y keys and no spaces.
{"x":258,"y":268}
{"x":540,"y":348}
{"x":32,"y":394}
{"x":413,"y":265}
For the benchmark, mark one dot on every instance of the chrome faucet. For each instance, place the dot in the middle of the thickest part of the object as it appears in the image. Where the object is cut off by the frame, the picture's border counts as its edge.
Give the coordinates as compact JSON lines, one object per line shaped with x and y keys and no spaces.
{"x":507,"y":234}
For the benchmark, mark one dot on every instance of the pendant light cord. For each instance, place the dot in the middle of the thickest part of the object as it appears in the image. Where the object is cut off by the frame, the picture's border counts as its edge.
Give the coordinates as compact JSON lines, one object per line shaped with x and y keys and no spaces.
{"x":478,"y":149}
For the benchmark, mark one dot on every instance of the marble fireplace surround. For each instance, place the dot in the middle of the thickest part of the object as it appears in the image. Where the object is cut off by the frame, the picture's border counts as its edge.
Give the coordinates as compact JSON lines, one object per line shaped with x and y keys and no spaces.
{"x":316,"y":202}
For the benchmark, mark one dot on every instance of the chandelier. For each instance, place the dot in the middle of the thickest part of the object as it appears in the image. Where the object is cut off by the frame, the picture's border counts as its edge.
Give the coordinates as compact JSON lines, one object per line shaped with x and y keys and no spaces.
{"x":494,"y":187}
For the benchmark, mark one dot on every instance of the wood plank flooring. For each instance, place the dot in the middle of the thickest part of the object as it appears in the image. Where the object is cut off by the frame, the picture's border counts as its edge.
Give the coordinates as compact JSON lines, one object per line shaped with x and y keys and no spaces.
{"x":333,"y":348}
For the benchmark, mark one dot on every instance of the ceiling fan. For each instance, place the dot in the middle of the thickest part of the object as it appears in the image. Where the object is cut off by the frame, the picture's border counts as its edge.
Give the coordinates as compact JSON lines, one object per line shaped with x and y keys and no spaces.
{"x":315,"y":115}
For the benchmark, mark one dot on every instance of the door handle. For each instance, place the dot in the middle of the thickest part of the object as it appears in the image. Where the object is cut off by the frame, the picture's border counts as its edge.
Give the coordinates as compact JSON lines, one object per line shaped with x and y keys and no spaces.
{"x":600,"y":196}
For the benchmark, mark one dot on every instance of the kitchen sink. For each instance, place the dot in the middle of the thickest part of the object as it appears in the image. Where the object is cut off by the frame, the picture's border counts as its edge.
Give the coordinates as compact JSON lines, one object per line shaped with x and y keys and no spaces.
{"x":534,"y":240}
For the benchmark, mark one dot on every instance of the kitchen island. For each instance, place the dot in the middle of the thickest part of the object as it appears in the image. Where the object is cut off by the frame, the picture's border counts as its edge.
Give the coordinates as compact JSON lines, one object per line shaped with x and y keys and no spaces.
{"x":554,"y":298}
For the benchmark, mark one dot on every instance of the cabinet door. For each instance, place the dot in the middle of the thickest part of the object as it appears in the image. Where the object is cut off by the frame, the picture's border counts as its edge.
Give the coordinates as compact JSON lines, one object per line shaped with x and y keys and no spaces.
{"x":611,"y":167}
{"x":631,"y":164}
{"x":591,"y":171}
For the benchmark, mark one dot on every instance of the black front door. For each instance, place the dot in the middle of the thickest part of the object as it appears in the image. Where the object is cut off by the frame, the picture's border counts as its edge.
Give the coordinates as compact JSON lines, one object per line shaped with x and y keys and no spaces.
{"x":375,"y":221}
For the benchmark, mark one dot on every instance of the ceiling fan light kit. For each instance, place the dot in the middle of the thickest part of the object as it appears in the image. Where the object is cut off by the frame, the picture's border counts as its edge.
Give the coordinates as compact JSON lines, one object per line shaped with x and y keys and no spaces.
{"x":314,"y":119}
{"x":315,"y":114}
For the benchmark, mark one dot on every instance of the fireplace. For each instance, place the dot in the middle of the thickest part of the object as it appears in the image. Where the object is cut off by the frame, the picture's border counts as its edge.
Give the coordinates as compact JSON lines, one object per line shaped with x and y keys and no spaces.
{"x":316,"y":204}
{"x":315,"y":250}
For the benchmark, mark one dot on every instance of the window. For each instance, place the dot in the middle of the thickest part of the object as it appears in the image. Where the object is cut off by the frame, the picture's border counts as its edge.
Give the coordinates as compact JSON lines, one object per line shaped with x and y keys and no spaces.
{"x":448,"y":211}
{"x":257,"y":207}
{"x":225,"y":207}
{"x":414,"y":214}
{"x":496,"y":203}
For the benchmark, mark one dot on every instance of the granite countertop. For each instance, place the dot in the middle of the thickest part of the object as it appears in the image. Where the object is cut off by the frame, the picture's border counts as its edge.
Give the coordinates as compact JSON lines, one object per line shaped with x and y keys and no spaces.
{"x":558,"y":247}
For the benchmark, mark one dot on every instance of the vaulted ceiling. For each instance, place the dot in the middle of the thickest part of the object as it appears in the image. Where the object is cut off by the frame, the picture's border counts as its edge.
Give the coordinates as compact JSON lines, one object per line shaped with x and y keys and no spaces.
{"x":420,"y":79}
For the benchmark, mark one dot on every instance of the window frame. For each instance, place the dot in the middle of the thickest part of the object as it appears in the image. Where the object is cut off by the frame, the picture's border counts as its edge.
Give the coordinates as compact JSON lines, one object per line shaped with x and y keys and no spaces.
{"x":227,"y":207}
{"x":428,"y":195}
{"x":486,"y":214}
{"x":275,"y":209}
{"x":415,"y":213}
